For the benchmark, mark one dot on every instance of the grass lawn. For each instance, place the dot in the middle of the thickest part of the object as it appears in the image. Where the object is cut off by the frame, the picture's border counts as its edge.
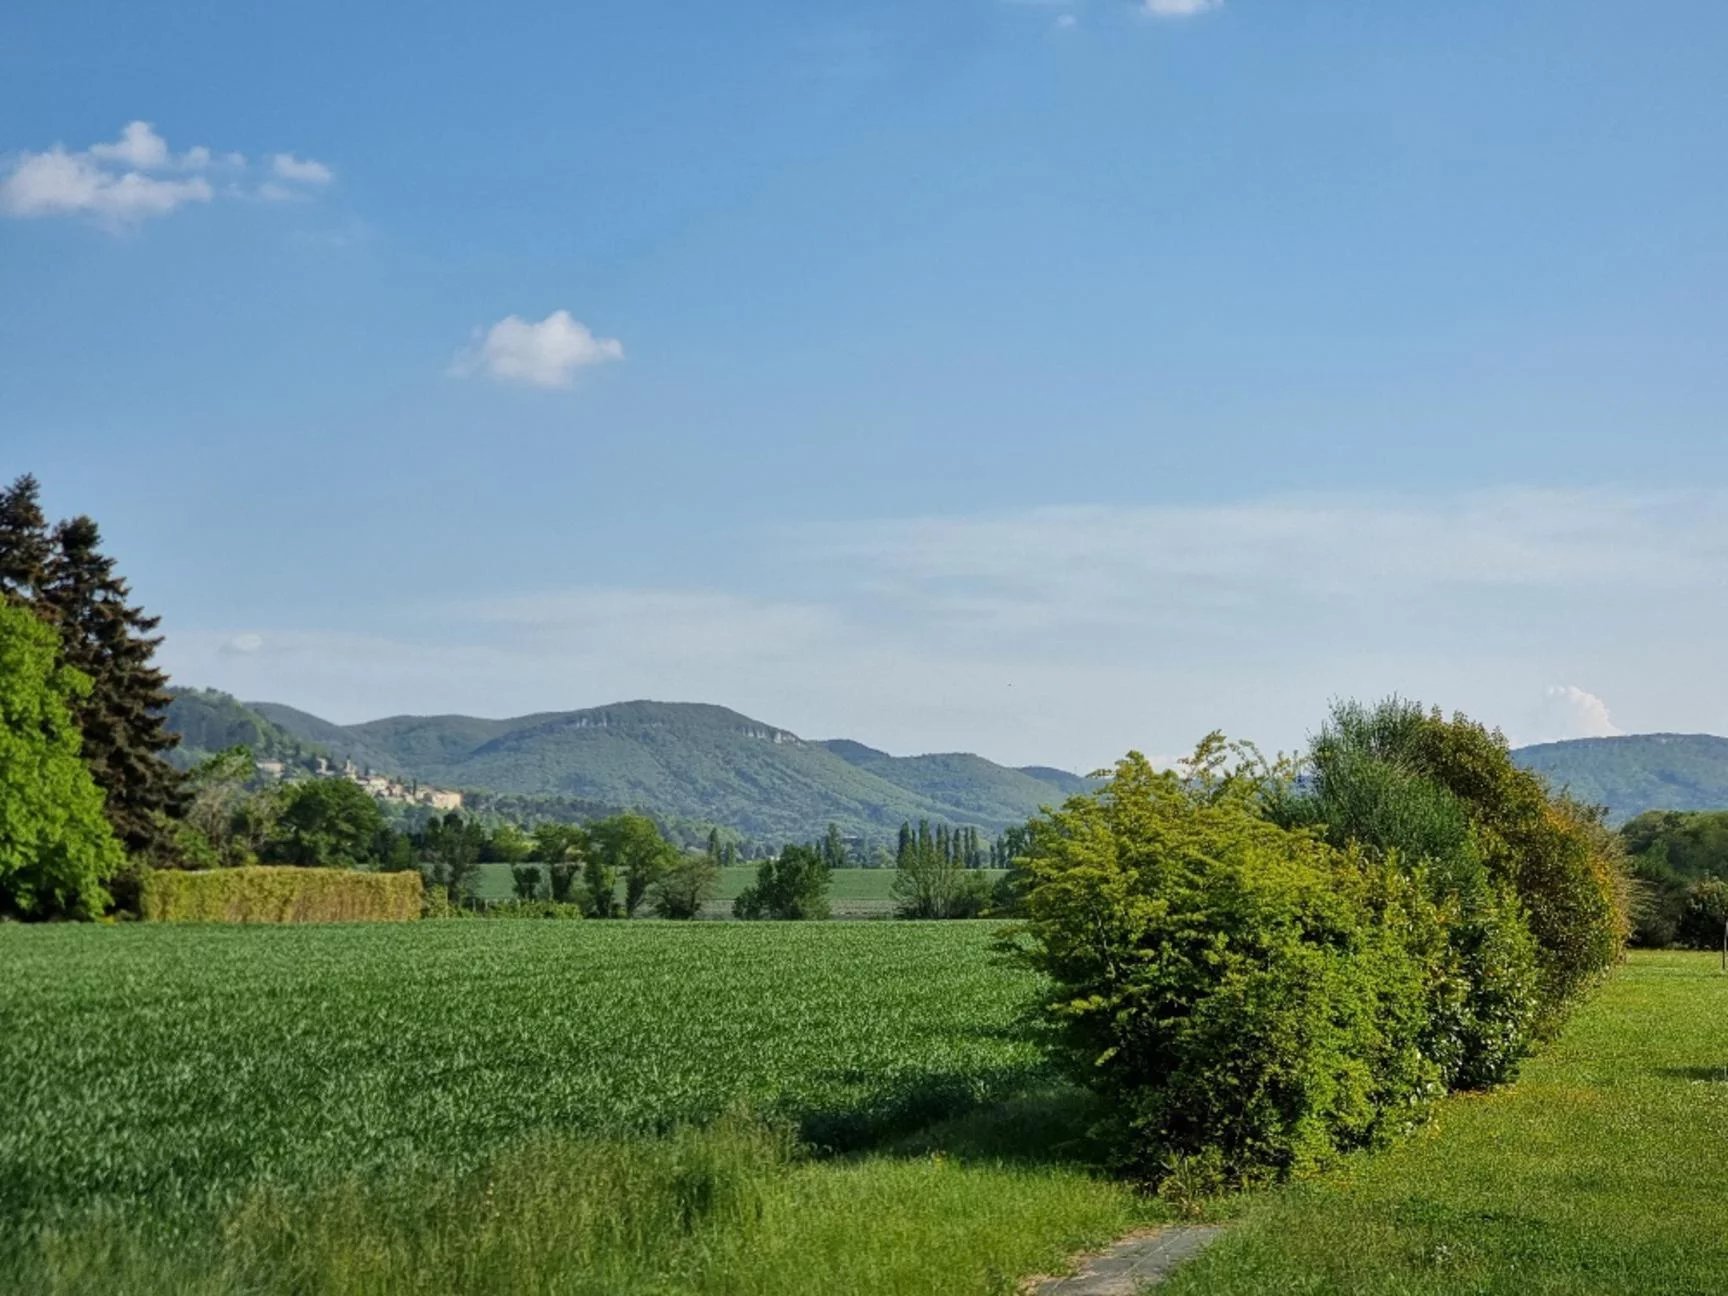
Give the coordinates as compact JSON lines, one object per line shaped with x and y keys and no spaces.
{"x":1604,"y":1170}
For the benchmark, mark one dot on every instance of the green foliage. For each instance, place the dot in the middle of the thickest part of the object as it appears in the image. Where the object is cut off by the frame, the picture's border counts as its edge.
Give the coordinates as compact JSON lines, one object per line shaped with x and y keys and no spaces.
{"x":527,"y":881}
{"x":627,"y":846}
{"x":1555,"y":855}
{"x":933,"y":877}
{"x":1241,"y":992}
{"x":57,"y":852}
{"x":325,"y":823}
{"x":793,"y":885}
{"x":123,"y":716}
{"x":687,"y":884}
{"x":1704,"y":916}
{"x":280,"y":895}
{"x":1667,"y":852}
{"x":1367,"y":788}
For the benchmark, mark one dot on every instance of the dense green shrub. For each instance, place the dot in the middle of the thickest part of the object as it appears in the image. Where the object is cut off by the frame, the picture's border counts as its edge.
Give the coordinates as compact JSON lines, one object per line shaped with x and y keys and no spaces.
{"x":1263,"y":966}
{"x":1246,"y":994}
{"x":1447,"y":792}
{"x":1365,"y":787}
{"x":281,"y":895}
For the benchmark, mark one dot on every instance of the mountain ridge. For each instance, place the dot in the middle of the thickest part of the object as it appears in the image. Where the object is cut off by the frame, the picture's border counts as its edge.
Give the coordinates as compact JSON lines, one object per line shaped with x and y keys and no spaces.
{"x":688,"y":760}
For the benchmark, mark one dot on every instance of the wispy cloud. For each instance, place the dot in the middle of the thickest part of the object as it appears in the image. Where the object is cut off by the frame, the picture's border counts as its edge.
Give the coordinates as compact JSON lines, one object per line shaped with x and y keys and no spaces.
{"x":544,"y":354}
{"x":133,"y":178}
{"x":1180,"y":8}
{"x":1067,"y":635}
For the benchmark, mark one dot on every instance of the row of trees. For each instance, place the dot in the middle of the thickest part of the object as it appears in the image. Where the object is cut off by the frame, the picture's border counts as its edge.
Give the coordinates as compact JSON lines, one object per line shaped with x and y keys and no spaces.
{"x":80,"y":685}
{"x":1263,"y":965}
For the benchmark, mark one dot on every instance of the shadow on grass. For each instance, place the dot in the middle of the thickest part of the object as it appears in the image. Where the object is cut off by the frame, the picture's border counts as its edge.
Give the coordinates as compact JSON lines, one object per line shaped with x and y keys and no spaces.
{"x":1026,"y":1116}
{"x":1696,"y":1074}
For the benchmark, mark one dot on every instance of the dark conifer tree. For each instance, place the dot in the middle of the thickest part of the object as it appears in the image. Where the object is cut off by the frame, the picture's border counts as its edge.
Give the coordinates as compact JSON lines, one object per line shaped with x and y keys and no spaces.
{"x":904,"y":850}
{"x":25,"y":545}
{"x":124,"y":717}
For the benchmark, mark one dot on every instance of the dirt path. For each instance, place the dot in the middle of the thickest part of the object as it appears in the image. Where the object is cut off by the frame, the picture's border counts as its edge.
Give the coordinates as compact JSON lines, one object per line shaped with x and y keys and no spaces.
{"x":1133,"y":1265}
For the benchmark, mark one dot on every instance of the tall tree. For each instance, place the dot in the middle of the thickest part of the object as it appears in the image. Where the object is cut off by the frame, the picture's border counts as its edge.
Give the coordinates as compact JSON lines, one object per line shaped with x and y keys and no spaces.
{"x":56,"y":849}
{"x":25,"y":545}
{"x":123,"y":717}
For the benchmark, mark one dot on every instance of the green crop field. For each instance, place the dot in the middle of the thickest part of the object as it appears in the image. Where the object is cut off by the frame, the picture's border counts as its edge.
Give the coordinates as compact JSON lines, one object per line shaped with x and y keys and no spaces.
{"x":178,"y":1097}
{"x":852,"y":893}
{"x":618,"y":1108}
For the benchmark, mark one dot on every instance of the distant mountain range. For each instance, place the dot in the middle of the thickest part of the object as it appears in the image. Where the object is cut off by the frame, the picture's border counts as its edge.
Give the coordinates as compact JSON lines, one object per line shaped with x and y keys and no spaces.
{"x":684,"y":761}
{"x":706,"y":764}
{"x":1637,"y":772}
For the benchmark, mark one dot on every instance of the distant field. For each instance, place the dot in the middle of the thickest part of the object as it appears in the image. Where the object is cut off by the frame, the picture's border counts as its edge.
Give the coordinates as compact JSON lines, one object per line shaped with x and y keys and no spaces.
{"x":215,"y":1108}
{"x":853,"y":893}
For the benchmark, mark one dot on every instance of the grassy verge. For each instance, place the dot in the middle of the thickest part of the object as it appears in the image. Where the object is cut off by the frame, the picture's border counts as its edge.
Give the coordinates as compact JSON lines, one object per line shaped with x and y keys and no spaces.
{"x":1604,"y":1170}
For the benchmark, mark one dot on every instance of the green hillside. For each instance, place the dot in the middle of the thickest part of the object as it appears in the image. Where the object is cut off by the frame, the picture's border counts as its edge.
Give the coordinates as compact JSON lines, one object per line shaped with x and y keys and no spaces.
{"x":688,"y":761}
{"x":209,"y":721}
{"x":1638,"y":772}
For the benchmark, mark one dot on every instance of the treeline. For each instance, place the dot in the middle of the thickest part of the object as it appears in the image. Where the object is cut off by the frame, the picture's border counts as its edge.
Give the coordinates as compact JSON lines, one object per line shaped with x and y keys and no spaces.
{"x":1679,"y":867}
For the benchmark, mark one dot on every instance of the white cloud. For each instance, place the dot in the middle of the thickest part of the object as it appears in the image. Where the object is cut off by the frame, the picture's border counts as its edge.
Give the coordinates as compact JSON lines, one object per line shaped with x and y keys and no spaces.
{"x":546,"y":354}
{"x":1067,"y":22}
{"x":301,"y":170}
{"x":128,"y":180}
{"x":57,"y":183}
{"x":243,"y":643}
{"x":138,"y":146}
{"x":1570,"y":712}
{"x":1180,"y":8}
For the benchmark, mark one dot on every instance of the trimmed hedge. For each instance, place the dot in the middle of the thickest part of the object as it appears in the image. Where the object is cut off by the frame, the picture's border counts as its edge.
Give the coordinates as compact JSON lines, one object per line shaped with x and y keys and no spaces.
{"x":281,"y":895}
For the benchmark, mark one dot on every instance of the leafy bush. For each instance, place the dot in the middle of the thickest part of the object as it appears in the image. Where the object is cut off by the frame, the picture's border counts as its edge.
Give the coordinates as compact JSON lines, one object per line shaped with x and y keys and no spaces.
{"x":525,"y":881}
{"x":1262,"y":970}
{"x":280,"y":895}
{"x":1366,"y":788}
{"x":686,"y":885}
{"x":1447,"y":792}
{"x":1246,"y":993}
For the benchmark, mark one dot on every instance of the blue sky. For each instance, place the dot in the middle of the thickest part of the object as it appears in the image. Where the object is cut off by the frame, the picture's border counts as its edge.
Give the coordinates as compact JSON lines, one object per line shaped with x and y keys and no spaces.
{"x":1040,"y":379}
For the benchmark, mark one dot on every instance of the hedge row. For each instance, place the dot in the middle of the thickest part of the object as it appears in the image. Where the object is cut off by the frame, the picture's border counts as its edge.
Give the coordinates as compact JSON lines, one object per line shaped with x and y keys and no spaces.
{"x":281,"y":895}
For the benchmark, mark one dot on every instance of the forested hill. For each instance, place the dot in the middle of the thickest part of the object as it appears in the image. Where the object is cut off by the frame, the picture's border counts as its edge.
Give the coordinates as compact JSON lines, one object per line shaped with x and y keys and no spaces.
{"x":689,"y":761}
{"x":1638,"y":772}
{"x":208,"y":722}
